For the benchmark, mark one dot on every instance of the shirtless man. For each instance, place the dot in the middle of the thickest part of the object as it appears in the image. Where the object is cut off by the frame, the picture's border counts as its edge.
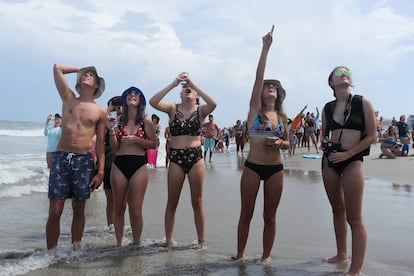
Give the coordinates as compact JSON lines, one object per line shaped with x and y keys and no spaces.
{"x":72,"y":168}
{"x":210,"y":131}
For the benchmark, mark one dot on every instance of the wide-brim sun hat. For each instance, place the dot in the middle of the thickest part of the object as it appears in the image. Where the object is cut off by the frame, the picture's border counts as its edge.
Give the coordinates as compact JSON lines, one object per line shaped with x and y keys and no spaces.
{"x":280,"y":90}
{"x":133,"y":89}
{"x":101,"y":80}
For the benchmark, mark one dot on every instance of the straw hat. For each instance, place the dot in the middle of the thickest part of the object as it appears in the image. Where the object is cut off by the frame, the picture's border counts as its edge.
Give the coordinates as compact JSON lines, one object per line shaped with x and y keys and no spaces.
{"x":101,"y":81}
{"x":280,"y":90}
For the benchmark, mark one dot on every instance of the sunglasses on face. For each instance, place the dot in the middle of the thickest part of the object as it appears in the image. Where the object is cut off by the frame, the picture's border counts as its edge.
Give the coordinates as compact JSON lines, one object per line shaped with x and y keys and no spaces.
{"x":340,"y":73}
{"x":133,"y":93}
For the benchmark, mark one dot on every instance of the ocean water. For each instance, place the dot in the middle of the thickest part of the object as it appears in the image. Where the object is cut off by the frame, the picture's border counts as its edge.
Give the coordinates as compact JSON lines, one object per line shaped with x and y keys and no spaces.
{"x":304,"y":231}
{"x":22,"y":159}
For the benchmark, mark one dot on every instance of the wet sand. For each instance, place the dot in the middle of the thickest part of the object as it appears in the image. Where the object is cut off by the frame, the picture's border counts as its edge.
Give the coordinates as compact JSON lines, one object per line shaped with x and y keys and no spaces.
{"x":304,"y":232}
{"x":392,"y":170}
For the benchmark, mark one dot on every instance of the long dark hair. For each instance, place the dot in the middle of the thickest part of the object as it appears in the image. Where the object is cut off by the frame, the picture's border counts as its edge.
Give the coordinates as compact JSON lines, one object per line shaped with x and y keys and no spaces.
{"x":138,"y":119}
{"x":140,"y":113}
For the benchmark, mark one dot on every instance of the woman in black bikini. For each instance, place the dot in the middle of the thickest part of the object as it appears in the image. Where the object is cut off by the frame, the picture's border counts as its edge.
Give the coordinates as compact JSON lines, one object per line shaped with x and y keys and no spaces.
{"x":268,"y":134}
{"x":186,"y":156}
{"x":129,"y":175}
{"x":349,"y":127}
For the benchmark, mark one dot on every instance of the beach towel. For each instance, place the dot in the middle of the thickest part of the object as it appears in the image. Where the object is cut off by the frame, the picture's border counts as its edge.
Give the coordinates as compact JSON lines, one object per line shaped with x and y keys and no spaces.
{"x":312,"y":156}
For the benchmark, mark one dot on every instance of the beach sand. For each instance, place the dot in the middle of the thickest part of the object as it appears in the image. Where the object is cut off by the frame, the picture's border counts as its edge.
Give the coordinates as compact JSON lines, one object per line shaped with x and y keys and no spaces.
{"x":304,"y":231}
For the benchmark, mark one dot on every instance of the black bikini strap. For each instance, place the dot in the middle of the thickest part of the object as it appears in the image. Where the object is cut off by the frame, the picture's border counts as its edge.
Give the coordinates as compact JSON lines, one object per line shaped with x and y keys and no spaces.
{"x":347,"y":113}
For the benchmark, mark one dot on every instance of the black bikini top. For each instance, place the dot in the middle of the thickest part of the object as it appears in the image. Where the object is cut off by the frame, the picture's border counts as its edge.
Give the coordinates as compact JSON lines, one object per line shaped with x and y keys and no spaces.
{"x":355,"y":117}
{"x":180,"y":126}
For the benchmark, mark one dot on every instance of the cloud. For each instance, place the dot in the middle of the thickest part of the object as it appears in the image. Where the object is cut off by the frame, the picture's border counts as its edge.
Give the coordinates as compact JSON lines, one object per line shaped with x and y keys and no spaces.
{"x":146,"y":43}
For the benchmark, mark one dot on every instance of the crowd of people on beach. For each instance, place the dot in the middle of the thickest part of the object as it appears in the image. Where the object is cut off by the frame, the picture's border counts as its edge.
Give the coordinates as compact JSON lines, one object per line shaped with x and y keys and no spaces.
{"x":89,"y":145}
{"x":396,"y":139}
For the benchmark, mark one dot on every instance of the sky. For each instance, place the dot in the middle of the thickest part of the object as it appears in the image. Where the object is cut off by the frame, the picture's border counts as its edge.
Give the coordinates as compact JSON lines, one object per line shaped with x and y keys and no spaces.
{"x":147,"y":43}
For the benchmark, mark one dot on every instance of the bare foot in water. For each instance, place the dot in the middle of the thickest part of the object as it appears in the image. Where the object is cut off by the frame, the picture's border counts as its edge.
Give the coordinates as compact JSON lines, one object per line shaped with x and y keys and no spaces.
{"x":171,"y":243}
{"x":201,"y":243}
{"x":238,"y":257}
{"x":76,"y":246}
{"x":267,"y":260}
{"x":335,"y":259}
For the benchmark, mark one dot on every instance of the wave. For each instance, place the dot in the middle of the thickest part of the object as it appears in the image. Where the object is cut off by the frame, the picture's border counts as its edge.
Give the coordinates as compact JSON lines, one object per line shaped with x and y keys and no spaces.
{"x":101,"y":245}
{"x":22,"y":174}
{"x":22,"y":132}
{"x":151,"y":258}
{"x":21,"y":129}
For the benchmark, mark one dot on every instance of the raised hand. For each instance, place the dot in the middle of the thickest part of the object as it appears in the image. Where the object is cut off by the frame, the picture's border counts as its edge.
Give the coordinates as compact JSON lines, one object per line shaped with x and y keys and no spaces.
{"x":182,"y":77}
{"x":268,"y":38}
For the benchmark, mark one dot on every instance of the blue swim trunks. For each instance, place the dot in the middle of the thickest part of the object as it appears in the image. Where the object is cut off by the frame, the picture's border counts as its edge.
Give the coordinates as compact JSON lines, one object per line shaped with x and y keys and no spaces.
{"x":209,"y":144}
{"x":70,"y":175}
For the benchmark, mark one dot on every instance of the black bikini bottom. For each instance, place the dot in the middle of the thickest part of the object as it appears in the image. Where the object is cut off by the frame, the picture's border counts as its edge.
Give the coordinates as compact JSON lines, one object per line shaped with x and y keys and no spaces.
{"x":264,"y":171}
{"x":340,"y":166}
{"x":129,"y":164}
{"x":186,"y":158}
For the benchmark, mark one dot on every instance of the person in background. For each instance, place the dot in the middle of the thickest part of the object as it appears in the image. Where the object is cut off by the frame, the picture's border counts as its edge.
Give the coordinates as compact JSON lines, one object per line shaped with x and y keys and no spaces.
{"x":300,"y":133}
{"x":267,"y":125}
{"x":226,"y":133}
{"x":72,"y":168}
{"x":298,"y":118}
{"x":129,"y":173}
{"x":156,"y":121}
{"x":114,"y":110}
{"x":293,"y":140}
{"x":186,"y":155}
{"x":211,"y":132}
{"x":405,"y":146}
{"x":379,"y":125}
{"x":402,"y":128}
{"x":349,"y":128}
{"x":220,"y":141}
{"x":167,"y":136}
{"x":388,"y":142}
{"x":317,"y":126}
{"x":53,"y":135}
{"x":297,"y":125}
{"x":153,"y":153}
{"x":239,"y":132}
{"x":310,"y":131}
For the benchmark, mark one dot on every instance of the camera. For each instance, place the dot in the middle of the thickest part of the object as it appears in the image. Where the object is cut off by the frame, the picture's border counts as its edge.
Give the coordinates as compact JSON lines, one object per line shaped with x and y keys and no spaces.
{"x":115,"y":102}
{"x":329,"y":147}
